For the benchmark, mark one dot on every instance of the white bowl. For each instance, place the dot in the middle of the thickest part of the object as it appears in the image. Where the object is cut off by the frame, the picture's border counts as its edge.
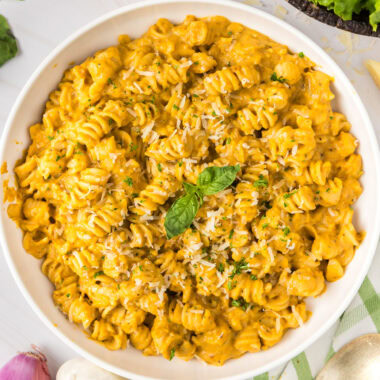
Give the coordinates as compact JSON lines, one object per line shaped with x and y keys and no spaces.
{"x":134,"y":20}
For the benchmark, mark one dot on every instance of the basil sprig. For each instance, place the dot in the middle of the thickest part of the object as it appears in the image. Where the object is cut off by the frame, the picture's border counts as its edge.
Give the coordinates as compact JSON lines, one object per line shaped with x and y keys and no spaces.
{"x":183,"y":211}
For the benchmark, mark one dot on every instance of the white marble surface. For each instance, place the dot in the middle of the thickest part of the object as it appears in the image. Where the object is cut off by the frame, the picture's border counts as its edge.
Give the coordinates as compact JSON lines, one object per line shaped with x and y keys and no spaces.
{"x":39,"y":26}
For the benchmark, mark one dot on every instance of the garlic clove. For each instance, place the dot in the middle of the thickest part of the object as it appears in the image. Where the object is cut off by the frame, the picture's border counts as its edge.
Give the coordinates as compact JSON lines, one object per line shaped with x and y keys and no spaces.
{"x":82,"y":369}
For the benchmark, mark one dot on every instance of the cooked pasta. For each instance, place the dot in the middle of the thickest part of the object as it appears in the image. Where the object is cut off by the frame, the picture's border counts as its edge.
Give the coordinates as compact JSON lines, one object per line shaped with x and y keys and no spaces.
{"x":122,"y":133}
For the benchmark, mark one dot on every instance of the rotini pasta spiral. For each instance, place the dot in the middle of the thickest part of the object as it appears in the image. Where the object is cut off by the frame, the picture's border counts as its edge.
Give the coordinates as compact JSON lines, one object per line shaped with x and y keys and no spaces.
{"x":143,"y":123}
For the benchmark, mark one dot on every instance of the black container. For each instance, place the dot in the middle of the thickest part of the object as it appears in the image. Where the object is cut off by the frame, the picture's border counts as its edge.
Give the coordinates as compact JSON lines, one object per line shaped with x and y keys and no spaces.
{"x":359,"y":24}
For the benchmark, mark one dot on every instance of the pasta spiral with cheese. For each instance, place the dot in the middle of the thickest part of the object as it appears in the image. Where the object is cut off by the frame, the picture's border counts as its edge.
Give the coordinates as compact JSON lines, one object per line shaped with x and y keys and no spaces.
{"x":121,"y":134}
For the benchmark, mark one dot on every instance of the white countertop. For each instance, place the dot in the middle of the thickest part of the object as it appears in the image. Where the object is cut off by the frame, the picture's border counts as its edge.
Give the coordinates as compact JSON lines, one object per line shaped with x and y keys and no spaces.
{"x":40,"y":25}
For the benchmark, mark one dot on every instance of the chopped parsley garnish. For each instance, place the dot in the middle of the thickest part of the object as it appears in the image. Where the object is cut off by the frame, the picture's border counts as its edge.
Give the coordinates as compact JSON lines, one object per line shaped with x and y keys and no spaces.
{"x":240,"y":303}
{"x":100,"y":273}
{"x":175,"y":107}
{"x":288,"y":195}
{"x":128,"y":181}
{"x":265,"y":225}
{"x":286,"y":231}
{"x":238,"y":267}
{"x":231,"y":234}
{"x":172,"y":353}
{"x":159,"y":167}
{"x":220,"y":267}
{"x":275,"y":78}
{"x":230,"y":284}
{"x":301,"y":55}
{"x":253,"y":277}
{"x":50,"y":138}
{"x":111,"y":82}
{"x":261,"y":182}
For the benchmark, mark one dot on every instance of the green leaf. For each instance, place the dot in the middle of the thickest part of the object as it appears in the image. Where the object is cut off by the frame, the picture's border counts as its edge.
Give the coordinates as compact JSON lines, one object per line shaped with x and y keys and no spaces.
{"x":346,"y":8}
{"x":274,"y":77}
{"x":181,"y":214}
{"x":238,"y":267}
{"x":214,"y":179}
{"x":261,"y":182}
{"x":8,"y":44}
{"x":100,"y":273}
{"x":190,"y":188}
{"x":183,"y":211}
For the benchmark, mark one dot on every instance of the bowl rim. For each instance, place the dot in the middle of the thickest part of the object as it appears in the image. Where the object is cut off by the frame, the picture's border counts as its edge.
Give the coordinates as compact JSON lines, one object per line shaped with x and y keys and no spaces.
{"x":330,"y":62}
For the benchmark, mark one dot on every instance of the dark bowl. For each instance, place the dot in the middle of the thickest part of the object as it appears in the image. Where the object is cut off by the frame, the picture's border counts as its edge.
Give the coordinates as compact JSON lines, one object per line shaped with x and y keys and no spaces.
{"x":359,"y":24}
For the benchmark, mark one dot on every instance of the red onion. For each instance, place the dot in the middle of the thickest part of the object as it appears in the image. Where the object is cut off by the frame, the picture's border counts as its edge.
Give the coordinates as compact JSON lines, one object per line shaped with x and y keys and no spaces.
{"x":26,"y":366}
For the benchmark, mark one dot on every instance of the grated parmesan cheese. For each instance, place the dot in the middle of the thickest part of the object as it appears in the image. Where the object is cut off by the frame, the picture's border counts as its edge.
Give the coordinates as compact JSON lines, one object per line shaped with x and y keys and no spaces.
{"x":145,"y":73}
{"x":186,"y":64}
{"x":126,"y":74}
{"x":195,"y":311}
{"x":130,"y":110}
{"x":76,"y":255}
{"x":270,"y":251}
{"x":183,"y":101}
{"x":138,"y":87}
{"x":207,"y":263}
{"x":297,"y":316}
{"x":147,"y":130}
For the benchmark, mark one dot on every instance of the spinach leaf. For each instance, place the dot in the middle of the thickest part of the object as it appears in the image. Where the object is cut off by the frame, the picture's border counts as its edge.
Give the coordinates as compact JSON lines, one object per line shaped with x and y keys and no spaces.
{"x":8,"y":44}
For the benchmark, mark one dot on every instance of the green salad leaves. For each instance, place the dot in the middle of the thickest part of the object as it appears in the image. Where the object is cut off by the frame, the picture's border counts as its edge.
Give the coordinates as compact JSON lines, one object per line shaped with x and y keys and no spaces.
{"x":346,"y":8}
{"x":183,"y":211}
{"x":8,"y":44}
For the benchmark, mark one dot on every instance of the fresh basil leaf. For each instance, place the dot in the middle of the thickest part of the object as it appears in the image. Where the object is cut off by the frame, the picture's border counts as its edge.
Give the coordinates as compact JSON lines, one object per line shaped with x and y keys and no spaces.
{"x":190,"y":188}
{"x":8,"y":44}
{"x":181,"y":214}
{"x":183,"y":211}
{"x":214,"y":179}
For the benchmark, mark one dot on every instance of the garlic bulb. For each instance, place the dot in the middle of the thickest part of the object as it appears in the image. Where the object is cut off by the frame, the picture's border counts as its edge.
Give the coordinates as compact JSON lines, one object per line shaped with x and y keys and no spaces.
{"x":82,"y":369}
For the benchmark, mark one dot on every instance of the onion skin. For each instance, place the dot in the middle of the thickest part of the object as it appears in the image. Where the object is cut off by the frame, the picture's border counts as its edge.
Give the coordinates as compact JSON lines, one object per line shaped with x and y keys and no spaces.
{"x":26,"y":366}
